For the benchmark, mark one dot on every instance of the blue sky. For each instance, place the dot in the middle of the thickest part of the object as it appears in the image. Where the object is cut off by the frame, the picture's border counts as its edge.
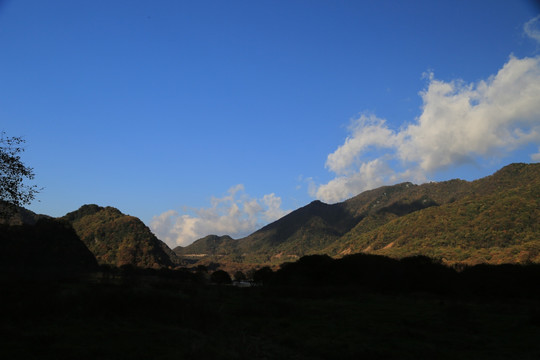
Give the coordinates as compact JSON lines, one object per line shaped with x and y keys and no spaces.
{"x":205,"y":117}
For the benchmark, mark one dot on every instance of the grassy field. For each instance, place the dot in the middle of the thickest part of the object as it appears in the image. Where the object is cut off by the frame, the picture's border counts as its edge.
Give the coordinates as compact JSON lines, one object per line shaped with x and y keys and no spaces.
{"x":153,"y":318}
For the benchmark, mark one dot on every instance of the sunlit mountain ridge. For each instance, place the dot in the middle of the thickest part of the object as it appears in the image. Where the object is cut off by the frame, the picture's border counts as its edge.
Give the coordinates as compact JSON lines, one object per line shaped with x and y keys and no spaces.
{"x":494,"y":220}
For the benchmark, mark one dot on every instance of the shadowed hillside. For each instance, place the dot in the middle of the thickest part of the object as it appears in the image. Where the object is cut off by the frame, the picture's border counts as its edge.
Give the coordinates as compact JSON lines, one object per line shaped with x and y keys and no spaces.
{"x":16,"y":215}
{"x":46,"y":248}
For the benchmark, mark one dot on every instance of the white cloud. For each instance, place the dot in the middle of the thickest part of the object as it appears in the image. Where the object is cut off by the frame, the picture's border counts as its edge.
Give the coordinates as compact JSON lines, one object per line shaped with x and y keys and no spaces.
{"x":273,"y":208}
{"x":532,"y":28}
{"x":235,"y":214}
{"x":367,"y":131}
{"x":536,"y":157}
{"x":369,"y":175}
{"x":459,"y":123}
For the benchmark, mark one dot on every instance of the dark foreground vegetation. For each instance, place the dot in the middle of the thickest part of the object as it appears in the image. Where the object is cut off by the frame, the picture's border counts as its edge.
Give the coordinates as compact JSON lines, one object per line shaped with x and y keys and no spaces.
{"x":361,"y":306}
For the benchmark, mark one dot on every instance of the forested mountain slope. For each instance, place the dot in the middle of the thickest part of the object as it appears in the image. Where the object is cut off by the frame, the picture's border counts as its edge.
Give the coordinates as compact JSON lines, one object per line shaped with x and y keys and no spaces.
{"x":497,"y":221}
{"x":118,"y":239}
{"x":493,"y":219}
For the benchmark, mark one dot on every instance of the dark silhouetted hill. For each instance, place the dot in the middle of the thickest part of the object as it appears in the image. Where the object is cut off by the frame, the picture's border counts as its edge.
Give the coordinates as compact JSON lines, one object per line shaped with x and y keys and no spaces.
{"x":45,"y":248}
{"x":16,"y":215}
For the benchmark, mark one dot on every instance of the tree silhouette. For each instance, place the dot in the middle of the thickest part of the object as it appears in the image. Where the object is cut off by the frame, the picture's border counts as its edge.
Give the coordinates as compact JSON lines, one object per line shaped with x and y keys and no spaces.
{"x":13,"y":173}
{"x":220,"y":277}
{"x":240,"y":276}
{"x":263,"y":275}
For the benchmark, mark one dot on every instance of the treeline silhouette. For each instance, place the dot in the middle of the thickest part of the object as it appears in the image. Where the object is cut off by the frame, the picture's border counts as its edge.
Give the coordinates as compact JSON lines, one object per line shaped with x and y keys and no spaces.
{"x":325,"y":276}
{"x":360,"y":272}
{"x":315,"y":308}
{"x":51,"y":249}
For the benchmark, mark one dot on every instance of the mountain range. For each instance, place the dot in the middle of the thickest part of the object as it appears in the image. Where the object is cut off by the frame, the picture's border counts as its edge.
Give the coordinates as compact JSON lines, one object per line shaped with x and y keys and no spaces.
{"x":495,"y":219}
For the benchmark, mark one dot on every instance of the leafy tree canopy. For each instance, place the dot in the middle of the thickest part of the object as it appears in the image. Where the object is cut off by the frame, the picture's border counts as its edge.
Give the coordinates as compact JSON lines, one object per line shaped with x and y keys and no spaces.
{"x":13,"y":173}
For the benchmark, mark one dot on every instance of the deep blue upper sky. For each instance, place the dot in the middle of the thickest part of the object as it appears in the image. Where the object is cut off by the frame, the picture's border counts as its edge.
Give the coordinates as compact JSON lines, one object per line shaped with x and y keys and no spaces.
{"x":218,"y":116}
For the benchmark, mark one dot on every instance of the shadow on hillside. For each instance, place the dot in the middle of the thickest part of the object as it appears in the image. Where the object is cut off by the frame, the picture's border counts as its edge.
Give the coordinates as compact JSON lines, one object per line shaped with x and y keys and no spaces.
{"x":47,"y":249}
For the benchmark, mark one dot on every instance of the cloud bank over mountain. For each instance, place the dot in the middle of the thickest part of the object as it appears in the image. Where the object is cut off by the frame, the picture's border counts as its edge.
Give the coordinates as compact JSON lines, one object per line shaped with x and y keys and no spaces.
{"x":459,"y":122}
{"x":236,"y":214}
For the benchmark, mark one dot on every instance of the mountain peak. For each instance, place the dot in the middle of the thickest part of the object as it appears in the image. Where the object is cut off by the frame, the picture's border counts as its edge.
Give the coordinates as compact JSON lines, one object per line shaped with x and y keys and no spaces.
{"x":118,"y":239}
{"x":85,"y":210}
